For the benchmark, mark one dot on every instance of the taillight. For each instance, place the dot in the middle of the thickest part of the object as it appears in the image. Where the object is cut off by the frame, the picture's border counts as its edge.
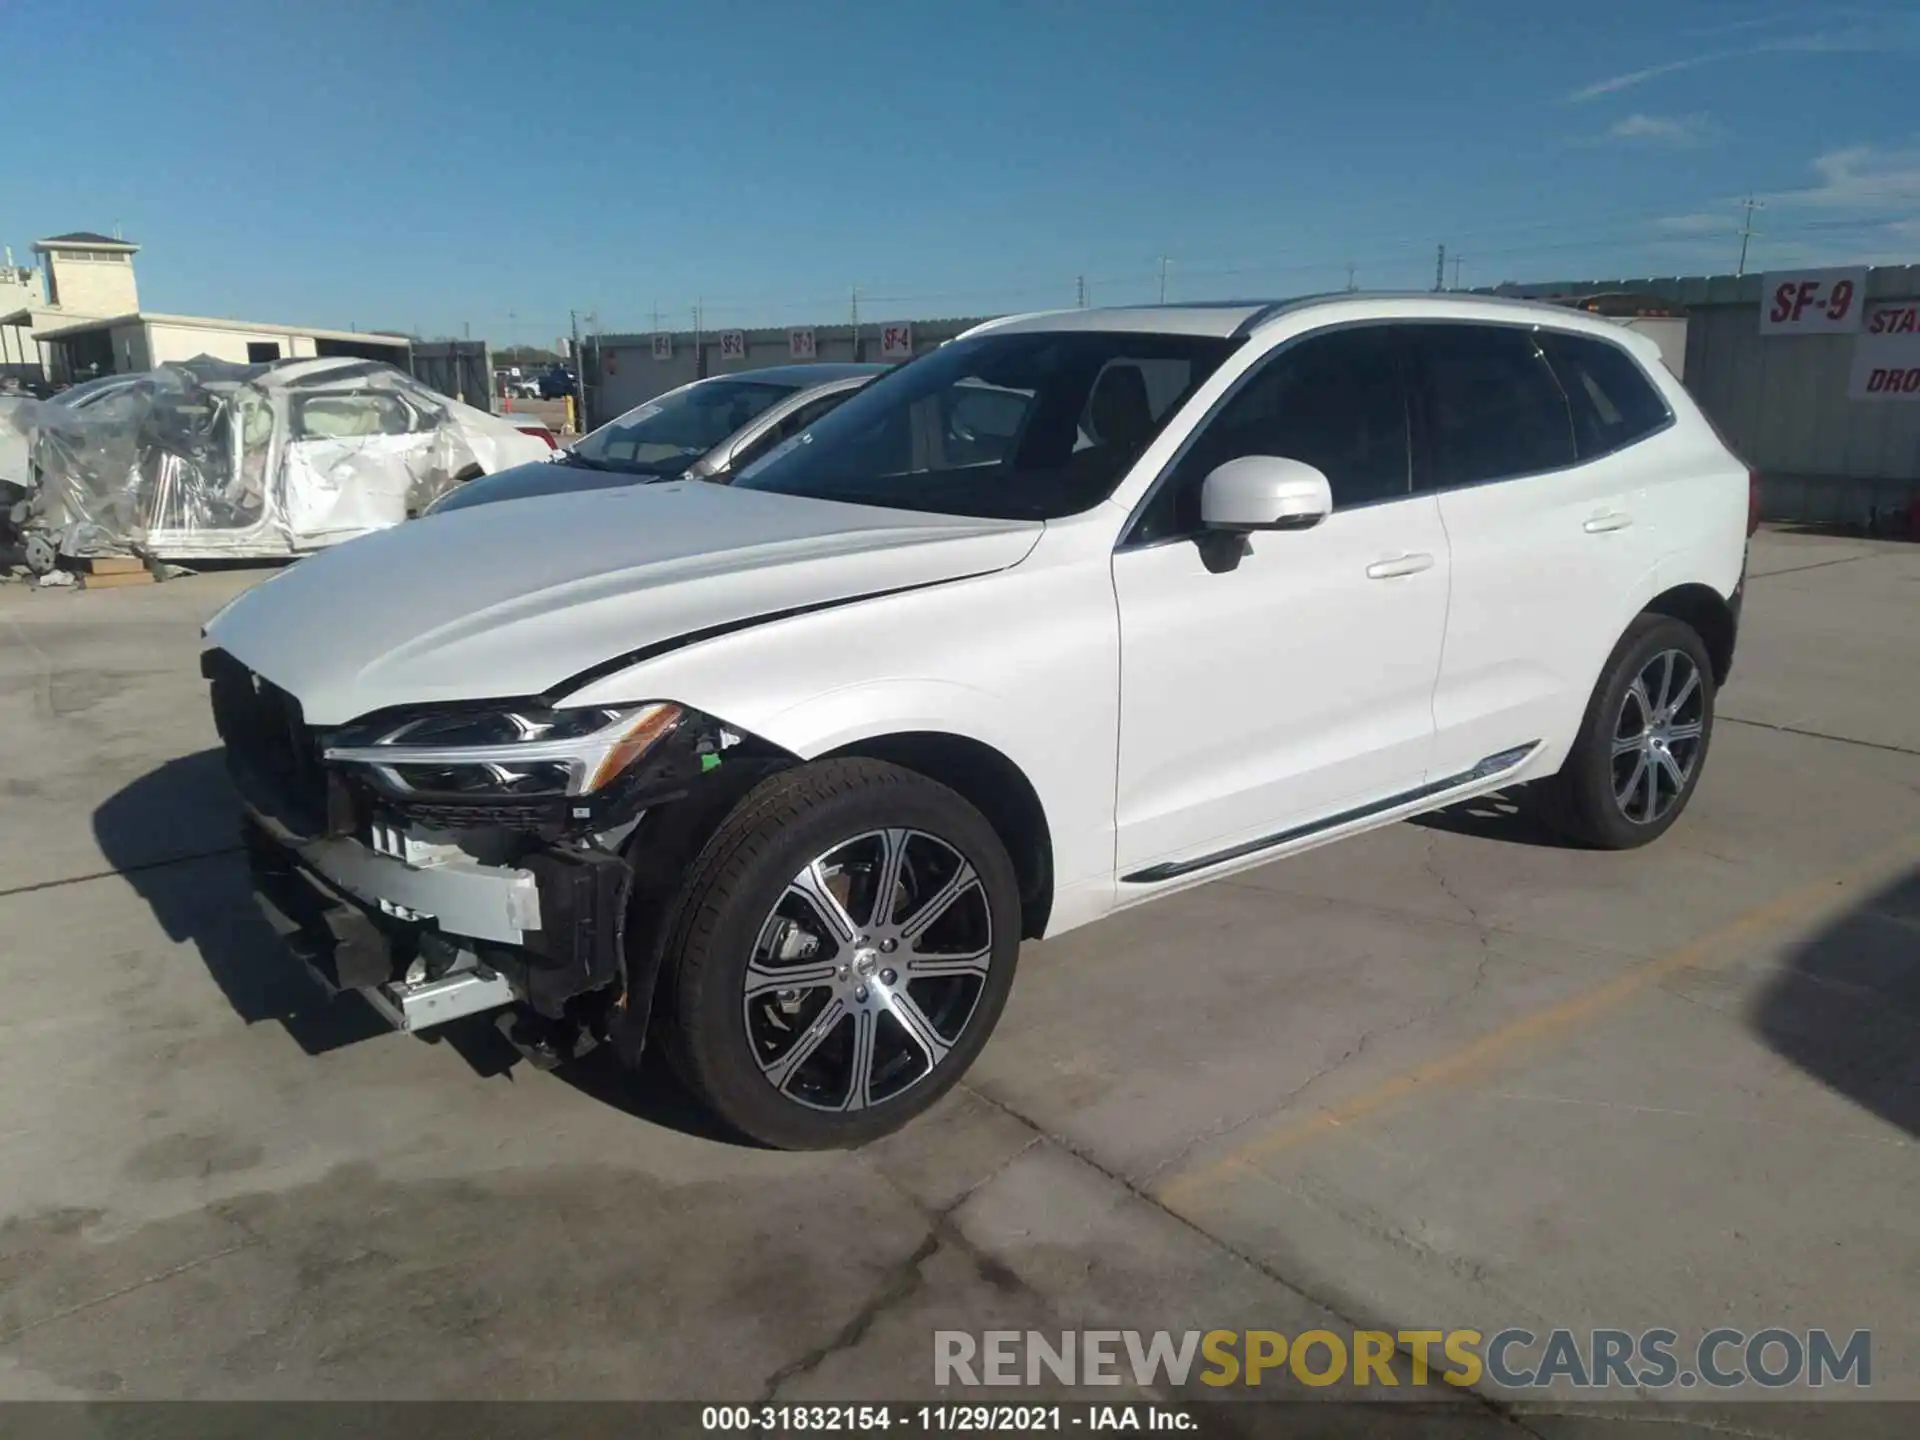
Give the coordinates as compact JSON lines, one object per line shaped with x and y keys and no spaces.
{"x":1753,"y":501}
{"x":539,"y":432}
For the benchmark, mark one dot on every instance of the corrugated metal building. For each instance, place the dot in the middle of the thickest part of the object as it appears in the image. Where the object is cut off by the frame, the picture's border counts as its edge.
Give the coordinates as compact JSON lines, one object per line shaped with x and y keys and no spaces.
{"x":630,"y":371}
{"x":1782,"y":401}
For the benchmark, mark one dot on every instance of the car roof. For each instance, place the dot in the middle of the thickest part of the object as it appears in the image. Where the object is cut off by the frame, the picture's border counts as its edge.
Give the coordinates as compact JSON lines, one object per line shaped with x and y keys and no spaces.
{"x":1231,"y":319}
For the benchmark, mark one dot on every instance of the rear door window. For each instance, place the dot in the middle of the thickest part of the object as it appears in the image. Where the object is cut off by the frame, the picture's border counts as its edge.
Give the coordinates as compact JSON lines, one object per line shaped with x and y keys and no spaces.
{"x":346,"y":417}
{"x":1494,"y":409}
{"x":1613,"y":402}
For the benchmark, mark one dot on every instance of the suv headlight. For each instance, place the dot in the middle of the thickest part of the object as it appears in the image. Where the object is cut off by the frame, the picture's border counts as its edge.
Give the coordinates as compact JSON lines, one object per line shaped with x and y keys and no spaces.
{"x":518,"y":751}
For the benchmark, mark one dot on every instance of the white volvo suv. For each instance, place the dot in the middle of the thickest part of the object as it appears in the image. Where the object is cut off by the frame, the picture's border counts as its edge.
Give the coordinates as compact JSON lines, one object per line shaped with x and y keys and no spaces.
{"x":1078,"y":610}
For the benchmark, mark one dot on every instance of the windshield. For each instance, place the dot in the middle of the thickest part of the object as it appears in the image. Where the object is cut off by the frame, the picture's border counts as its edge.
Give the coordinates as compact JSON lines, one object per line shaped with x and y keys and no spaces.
{"x":665,"y":436}
{"x":1031,"y":425}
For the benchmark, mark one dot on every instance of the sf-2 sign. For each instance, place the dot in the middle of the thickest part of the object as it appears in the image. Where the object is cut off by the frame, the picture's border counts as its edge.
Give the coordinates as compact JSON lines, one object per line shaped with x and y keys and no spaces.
{"x":733,"y":344}
{"x":1812,"y":302}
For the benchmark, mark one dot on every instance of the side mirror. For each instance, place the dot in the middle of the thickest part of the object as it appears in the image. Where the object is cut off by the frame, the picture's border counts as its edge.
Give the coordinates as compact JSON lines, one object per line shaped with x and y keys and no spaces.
{"x":1264,"y":492}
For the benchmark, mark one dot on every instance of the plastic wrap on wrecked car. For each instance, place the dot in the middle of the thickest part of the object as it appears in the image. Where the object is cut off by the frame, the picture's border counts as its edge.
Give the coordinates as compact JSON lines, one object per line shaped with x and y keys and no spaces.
{"x":207,"y":458}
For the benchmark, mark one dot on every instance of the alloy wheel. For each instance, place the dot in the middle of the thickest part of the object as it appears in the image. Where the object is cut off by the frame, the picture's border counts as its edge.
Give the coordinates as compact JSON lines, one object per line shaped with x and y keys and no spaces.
{"x":867,"y":970}
{"x":1657,"y":736}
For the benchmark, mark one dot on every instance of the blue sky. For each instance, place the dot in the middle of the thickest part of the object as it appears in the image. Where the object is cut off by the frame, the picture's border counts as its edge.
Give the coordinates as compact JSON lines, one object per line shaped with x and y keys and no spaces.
{"x":433,"y":166}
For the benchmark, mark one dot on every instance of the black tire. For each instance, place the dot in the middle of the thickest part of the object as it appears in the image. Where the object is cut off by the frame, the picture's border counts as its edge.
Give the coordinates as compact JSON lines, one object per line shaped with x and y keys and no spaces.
{"x":1581,"y":801}
{"x":726,"y":910}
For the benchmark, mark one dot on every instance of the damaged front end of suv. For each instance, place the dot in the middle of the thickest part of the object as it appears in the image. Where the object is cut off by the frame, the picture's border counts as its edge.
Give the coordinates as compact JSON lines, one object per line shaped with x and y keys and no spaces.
{"x":446,"y":860}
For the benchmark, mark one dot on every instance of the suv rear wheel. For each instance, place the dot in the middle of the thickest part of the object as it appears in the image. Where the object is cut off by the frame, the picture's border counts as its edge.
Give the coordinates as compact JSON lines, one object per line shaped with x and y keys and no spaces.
{"x":843,"y":948}
{"x":1643,"y":742}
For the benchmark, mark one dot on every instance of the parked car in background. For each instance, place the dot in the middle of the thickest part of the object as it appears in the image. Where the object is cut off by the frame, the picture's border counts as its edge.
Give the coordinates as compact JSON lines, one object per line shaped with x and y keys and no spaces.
{"x":704,"y":431}
{"x":1075,"y":612}
{"x":533,"y":426}
{"x":556,"y":383}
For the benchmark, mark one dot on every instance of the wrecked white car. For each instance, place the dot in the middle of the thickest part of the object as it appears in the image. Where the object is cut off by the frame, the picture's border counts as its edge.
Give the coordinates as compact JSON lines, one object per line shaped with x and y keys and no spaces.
{"x":208,"y":459}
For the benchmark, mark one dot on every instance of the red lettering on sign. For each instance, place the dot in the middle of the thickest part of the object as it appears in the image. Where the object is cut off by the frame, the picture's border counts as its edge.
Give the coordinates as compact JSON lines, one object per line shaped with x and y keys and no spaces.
{"x":1912,"y":382}
{"x":1840,"y":301}
{"x":1895,"y":320}
{"x":1804,"y":296}
{"x":1782,"y":304}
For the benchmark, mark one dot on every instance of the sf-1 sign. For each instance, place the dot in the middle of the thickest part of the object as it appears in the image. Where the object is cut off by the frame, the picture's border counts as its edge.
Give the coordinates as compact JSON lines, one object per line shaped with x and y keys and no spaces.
{"x":1812,"y":302}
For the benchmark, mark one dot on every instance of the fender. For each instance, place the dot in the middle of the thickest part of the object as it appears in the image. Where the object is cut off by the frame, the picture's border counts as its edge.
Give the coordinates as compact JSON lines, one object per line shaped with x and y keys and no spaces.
{"x":1025,"y":661}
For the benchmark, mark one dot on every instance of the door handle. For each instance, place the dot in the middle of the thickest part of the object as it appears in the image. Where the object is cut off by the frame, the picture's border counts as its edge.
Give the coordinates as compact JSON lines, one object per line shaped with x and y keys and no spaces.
{"x":1601,"y":524}
{"x":1401,"y":565}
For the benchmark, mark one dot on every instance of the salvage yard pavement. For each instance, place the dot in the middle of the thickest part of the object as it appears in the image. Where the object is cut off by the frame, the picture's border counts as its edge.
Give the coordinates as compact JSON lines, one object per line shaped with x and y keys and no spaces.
{"x":1447,"y":1075}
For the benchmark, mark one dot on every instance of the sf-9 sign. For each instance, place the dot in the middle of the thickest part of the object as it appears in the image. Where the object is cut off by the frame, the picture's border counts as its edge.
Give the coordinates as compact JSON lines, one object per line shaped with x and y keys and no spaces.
{"x":1812,"y":302}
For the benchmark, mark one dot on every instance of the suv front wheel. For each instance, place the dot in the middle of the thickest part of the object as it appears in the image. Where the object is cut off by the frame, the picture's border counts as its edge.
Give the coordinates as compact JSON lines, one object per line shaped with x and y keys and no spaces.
{"x":843,"y":948}
{"x":1643,"y":741}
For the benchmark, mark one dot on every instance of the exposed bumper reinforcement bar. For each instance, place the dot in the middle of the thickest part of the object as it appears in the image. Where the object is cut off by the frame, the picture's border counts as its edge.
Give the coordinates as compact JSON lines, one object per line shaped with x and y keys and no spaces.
{"x":435,"y":1002}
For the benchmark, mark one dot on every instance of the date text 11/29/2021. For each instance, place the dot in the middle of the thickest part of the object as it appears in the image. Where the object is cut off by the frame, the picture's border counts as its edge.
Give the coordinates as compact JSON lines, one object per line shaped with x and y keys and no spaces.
{"x":943,"y":1419}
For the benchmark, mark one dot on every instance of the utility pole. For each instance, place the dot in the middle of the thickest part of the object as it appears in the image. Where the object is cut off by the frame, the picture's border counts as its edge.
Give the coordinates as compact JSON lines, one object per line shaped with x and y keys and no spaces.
{"x":1456,"y":272}
{"x":656,"y":317}
{"x":1440,"y":270}
{"x":1080,"y":291}
{"x":579,"y":406}
{"x":1747,"y":232}
{"x":1351,"y":286}
{"x":699,"y":341}
{"x":855,"y":320}
{"x":1164,"y":262}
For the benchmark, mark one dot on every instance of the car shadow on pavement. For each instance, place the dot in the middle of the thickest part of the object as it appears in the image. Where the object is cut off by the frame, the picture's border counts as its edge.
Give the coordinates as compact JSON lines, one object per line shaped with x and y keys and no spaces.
{"x":653,"y":1094}
{"x":171,"y":835}
{"x":1846,"y":1006}
{"x":1497,"y":815}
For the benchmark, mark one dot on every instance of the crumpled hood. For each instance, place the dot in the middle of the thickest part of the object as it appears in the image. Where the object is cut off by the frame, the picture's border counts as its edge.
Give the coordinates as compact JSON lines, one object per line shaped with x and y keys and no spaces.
{"x":513,"y":599}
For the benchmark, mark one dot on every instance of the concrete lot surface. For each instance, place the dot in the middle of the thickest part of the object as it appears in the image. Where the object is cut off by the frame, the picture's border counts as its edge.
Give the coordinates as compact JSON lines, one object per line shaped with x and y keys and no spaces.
{"x":1448,"y":1075}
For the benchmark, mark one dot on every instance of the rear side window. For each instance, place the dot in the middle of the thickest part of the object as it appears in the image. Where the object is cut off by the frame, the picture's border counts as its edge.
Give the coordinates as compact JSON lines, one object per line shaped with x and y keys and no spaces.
{"x":1494,"y":408}
{"x":349,"y":417}
{"x":1613,"y":402}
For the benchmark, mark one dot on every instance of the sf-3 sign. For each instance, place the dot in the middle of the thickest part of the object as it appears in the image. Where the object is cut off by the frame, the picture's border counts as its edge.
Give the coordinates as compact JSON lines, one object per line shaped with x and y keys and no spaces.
{"x":1812,"y":302}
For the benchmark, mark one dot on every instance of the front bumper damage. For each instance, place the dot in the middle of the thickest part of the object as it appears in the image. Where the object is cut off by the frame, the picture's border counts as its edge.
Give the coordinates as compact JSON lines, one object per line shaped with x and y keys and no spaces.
{"x":431,"y":942}
{"x":433,"y":921}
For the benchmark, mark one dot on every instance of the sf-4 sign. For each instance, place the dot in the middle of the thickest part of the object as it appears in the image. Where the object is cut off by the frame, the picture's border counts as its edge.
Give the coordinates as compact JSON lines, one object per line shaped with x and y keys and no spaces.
{"x":896,"y":342}
{"x":1812,"y":302}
